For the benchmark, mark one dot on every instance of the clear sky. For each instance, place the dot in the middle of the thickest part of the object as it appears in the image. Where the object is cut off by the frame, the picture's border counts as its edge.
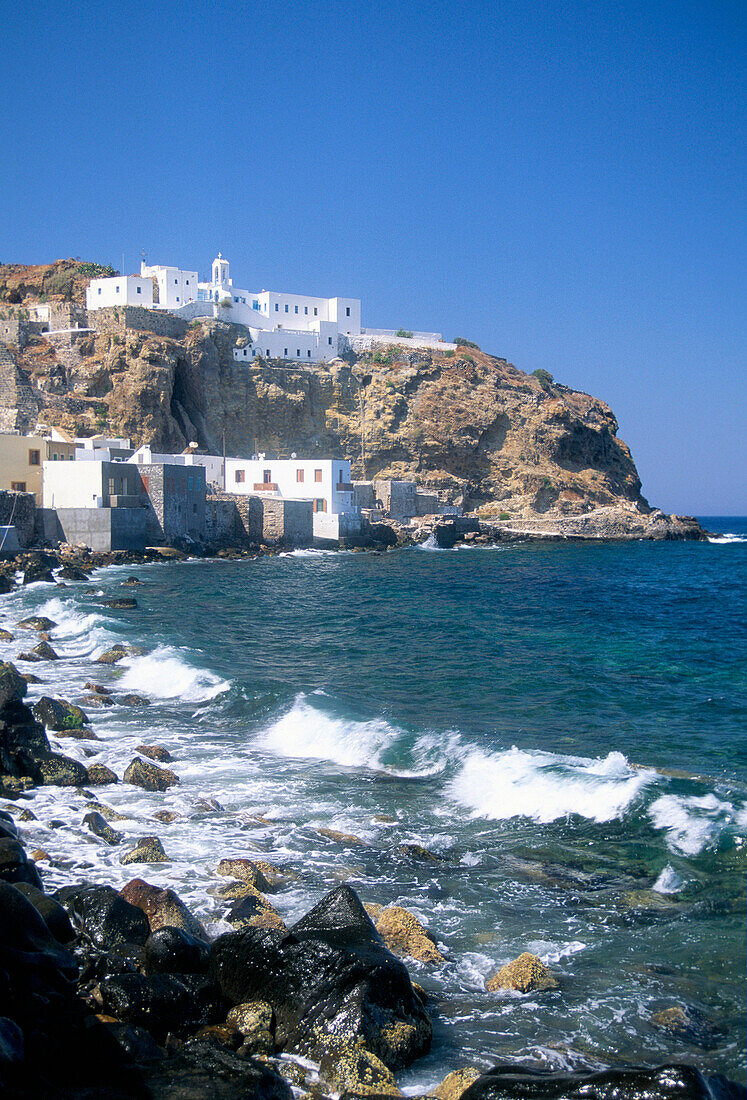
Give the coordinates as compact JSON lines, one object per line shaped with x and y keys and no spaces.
{"x":562,"y":182}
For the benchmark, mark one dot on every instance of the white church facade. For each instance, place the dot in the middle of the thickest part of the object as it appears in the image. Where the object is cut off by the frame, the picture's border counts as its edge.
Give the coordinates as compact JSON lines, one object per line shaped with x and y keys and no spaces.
{"x":296,"y":327}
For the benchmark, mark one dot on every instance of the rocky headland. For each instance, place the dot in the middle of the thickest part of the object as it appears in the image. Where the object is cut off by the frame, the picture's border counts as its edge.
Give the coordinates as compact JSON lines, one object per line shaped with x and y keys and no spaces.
{"x":521,"y":452}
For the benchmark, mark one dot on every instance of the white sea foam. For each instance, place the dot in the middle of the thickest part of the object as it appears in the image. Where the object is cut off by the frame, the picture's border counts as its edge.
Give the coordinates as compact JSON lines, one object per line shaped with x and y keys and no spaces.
{"x":165,"y":674}
{"x":668,"y":882}
{"x":693,"y":823}
{"x":545,"y":786}
{"x":727,"y":538}
{"x":307,"y":732}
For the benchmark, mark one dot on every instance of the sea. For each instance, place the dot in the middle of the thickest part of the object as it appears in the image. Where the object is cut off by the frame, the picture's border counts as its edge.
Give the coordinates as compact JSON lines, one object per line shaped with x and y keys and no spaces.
{"x":561,"y":726}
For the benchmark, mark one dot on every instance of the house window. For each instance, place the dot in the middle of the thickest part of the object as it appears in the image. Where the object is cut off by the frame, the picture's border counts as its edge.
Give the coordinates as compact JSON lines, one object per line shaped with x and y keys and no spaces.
{"x":299,"y":475}
{"x":240,"y":476}
{"x":54,"y":457}
{"x":347,"y":311}
{"x":277,"y":307}
{"x":266,"y":477}
{"x":112,"y":489}
{"x":18,"y":486}
{"x":317,"y":475}
{"x":296,"y":308}
{"x":140,"y":291}
{"x":187,"y":282}
{"x":298,"y":353}
{"x":315,"y":311}
{"x":255,"y":304}
{"x":329,"y":340}
{"x":236,"y":300}
{"x":285,"y":352}
{"x":116,"y":290}
{"x":320,"y":505}
{"x":189,"y":484}
{"x":268,"y":353}
{"x":286,"y":307}
{"x":99,"y":293}
{"x":306,"y":309}
{"x":308,"y":353}
{"x":176,"y":282}
{"x":33,"y":458}
{"x":177,"y":297}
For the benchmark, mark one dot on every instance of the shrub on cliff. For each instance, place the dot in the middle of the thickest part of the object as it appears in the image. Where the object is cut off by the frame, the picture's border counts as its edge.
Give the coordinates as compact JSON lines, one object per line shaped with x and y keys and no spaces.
{"x":462,"y":343}
{"x":544,"y":377}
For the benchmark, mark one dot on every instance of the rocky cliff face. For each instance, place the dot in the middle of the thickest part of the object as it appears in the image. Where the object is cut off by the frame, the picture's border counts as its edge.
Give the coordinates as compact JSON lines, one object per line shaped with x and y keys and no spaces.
{"x":470,"y":426}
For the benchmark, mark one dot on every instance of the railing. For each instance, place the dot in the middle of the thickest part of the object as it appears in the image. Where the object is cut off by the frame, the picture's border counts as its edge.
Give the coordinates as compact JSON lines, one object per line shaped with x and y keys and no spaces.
{"x":265,"y":487}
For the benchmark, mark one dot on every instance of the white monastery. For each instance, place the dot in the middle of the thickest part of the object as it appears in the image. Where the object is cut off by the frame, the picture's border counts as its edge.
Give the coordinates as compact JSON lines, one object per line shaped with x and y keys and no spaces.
{"x":280,"y":326}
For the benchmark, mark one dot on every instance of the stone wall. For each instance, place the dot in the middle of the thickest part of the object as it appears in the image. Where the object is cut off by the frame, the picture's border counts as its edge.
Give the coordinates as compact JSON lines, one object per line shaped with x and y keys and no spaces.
{"x":288,"y":522}
{"x":177,"y":499}
{"x":19,"y":509}
{"x":222,"y":521}
{"x":119,"y":318}
{"x":12,"y":331}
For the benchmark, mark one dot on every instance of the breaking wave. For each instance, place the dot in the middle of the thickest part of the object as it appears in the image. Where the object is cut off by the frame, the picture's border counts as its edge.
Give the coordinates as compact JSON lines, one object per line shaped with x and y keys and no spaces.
{"x":692,"y":823}
{"x":164,"y":674}
{"x":545,"y":786}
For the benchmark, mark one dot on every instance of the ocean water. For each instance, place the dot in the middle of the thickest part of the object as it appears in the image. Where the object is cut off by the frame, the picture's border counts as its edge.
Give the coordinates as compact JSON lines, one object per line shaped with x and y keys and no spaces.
{"x":561,"y":725}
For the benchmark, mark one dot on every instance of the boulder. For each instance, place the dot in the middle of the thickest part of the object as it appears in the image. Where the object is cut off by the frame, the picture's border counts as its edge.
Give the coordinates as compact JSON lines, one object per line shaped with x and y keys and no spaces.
{"x":101,"y":776}
{"x":147,"y":850}
{"x":106,"y":917}
{"x":416,"y":853}
{"x":117,"y":653}
{"x":22,"y":738}
{"x":174,"y":951}
{"x":330,"y":975}
{"x":455,"y":1084}
{"x":96,"y":689}
{"x":145,"y":774}
{"x":98,"y":826}
{"x":98,"y":700}
{"x":6,"y":584}
{"x":166,"y":817}
{"x":122,"y":603}
{"x":354,"y":1071}
{"x":348,"y":839}
{"x":251,"y":910}
{"x":668,"y":1082}
{"x":525,"y":974}
{"x":60,"y":771}
{"x":31,"y":679}
{"x":13,"y":686}
{"x":59,"y":714}
{"x":205,"y":1071}
{"x":106,"y":812}
{"x":255,"y":1024}
{"x":130,"y":581}
{"x":133,"y":701}
{"x":51,"y":912}
{"x":15,"y":865}
{"x":37,"y":622}
{"x":44,"y":652}
{"x":162,"y":907}
{"x":690,"y":1025}
{"x":72,"y":573}
{"x":161,"y":1002}
{"x":5,"y":635}
{"x":403,"y":934}
{"x":155,"y":752}
{"x":37,"y":572}
{"x":245,"y":870}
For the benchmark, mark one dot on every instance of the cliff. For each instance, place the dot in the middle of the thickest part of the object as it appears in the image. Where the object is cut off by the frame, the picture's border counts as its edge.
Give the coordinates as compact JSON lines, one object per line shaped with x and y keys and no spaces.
{"x":468,"y":425}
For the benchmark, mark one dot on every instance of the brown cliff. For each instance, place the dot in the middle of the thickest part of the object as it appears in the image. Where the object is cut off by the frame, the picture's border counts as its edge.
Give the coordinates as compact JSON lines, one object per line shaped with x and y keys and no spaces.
{"x":472,"y":427}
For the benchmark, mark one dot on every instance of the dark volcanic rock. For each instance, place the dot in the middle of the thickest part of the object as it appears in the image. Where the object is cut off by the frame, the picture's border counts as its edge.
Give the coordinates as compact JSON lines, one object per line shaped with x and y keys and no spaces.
{"x":147,"y":850}
{"x":124,"y":603}
{"x":155,"y":752}
{"x":101,"y":776}
{"x":511,"y":1082}
{"x":62,"y":1050}
{"x":59,"y":714}
{"x":106,"y":917}
{"x":142,"y":773}
{"x":12,"y":684}
{"x":14,"y":865}
{"x":51,"y":912}
{"x":203,"y":1071}
{"x":99,"y":827}
{"x":72,"y":573}
{"x":690,"y":1025}
{"x":174,"y":951}
{"x":162,"y":1002}
{"x":331,"y":974}
{"x":44,"y":652}
{"x":60,"y":771}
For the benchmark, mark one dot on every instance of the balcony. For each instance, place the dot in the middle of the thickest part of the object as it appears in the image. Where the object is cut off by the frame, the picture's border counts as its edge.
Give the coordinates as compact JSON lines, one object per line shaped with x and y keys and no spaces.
{"x":265,"y":487}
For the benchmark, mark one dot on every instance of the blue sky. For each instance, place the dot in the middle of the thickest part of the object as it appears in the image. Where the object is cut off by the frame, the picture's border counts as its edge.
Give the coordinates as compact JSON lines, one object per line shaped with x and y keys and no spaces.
{"x":561,"y":182}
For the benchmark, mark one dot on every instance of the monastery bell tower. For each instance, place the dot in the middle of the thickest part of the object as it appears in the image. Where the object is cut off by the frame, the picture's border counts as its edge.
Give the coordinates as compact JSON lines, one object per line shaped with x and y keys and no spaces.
{"x":220,"y":271}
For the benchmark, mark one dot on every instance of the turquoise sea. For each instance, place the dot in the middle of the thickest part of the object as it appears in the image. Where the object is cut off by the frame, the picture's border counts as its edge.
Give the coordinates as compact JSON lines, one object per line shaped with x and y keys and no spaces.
{"x":561,"y":725}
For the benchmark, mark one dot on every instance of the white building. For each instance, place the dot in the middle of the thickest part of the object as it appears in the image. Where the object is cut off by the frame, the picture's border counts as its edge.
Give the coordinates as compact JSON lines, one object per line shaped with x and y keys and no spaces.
{"x":213,"y":464}
{"x":176,"y":288}
{"x":120,"y":290}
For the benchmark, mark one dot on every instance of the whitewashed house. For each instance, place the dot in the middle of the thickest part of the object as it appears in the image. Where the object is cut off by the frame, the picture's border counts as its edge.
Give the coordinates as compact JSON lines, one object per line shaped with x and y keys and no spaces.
{"x":213,"y":464}
{"x":120,"y":290}
{"x":176,"y":288}
{"x":326,"y":482}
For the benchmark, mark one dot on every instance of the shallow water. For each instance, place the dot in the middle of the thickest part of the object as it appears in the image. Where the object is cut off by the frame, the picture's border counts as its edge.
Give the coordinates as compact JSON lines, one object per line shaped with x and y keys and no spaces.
{"x":562,"y":724}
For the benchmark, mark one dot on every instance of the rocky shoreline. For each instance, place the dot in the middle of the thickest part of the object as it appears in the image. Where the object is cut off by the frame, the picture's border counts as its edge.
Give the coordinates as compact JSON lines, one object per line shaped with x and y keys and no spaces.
{"x":123,"y":993}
